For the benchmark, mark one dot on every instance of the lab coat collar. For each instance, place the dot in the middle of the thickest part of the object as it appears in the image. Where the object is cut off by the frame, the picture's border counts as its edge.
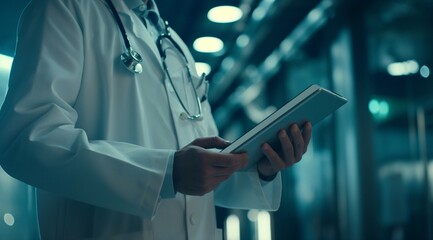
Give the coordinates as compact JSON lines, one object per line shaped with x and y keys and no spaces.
{"x":133,"y":4}
{"x":125,"y":9}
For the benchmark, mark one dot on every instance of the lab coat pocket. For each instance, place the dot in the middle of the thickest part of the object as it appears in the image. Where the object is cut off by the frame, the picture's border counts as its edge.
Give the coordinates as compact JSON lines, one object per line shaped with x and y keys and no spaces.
{"x":183,"y":75}
{"x":201,"y":85}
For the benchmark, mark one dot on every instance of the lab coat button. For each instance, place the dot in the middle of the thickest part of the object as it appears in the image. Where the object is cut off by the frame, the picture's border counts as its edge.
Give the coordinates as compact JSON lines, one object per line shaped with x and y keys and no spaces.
{"x":142,"y":7}
{"x":192,"y":219}
{"x":183,"y":116}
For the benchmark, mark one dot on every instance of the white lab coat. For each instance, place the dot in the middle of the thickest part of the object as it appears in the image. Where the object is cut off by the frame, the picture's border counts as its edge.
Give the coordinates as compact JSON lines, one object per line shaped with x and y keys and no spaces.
{"x":95,"y":139}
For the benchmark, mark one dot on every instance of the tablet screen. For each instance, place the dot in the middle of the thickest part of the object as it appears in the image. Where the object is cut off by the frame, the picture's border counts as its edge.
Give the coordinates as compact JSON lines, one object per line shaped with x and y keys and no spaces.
{"x":313,"y":104}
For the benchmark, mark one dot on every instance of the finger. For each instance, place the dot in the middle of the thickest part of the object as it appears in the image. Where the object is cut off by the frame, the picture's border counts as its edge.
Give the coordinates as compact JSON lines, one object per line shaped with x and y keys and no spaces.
{"x":306,"y":134}
{"x":274,"y":159}
{"x":222,"y":178}
{"x":211,"y":142}
{"x":228,"y":160}
{"x":287,"y":147}
{"x":297,"y":142}
{"x":224,"y":171}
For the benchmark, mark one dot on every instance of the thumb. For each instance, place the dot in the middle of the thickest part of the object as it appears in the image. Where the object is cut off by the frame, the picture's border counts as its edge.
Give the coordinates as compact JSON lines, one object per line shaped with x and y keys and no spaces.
{"x":211,"y":142}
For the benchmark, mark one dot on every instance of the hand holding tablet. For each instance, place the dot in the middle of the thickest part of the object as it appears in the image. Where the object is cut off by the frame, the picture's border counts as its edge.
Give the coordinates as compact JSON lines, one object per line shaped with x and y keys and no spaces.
{"x":313,"y":105}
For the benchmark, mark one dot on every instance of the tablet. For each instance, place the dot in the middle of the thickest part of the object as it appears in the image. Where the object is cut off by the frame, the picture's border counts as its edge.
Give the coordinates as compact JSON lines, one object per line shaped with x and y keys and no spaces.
{"x":313,"y":104}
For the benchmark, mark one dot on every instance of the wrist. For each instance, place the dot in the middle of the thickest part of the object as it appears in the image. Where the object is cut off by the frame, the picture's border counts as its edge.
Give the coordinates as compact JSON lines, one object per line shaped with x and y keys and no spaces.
{"x":269,"y":176}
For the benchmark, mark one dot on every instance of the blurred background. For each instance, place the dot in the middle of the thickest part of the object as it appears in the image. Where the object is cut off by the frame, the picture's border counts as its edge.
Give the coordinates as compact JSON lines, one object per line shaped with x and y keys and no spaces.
{"x":368,"y":173}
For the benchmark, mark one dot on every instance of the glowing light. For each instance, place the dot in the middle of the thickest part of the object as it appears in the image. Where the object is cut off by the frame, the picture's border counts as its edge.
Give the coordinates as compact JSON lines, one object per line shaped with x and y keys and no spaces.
{"x":233,"y":229}
{"x":374,"y":106}
{"x":261,"y":10}
{"x":202,"y":67}
{"x":227,"y":63}
{"x":378,"y":108}
{"x":286,"y":45}
{"x":208,"y":44}
{"x":9,"y":219}
{"x":224,"y":14}
{"x":259,"y":13}
{"x":314,"y":15}
{"x":5,"y":63}
{"x":383,"y":108}
{"x":264,"y":226}
{"x":249,"y":94}
{"x":424,"y":71}
{"x":271,"y":61}
{"x":403,"y":68}
{"x":5,"y":69}
{"x":243,"y":40}
{"x":252,"y":215}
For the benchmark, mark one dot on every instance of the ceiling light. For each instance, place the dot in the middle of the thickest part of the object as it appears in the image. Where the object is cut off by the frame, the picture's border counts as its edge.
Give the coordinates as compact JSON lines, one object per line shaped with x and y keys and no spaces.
{"x":315,"y":15}
{"x":202,"y":67}
{"x":271,"y":62}
{"x":259,"y":13}
{"x":243,"y":40}
{"x":227,"y":63}
{"x":403,"y":68}
{"x":224,"y":14}
{"x":424,"y":71}
{"x":208,"y":44}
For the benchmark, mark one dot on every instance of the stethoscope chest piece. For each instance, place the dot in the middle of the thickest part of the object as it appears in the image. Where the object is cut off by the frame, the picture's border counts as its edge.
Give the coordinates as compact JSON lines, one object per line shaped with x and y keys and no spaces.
{"x":132,"y":60}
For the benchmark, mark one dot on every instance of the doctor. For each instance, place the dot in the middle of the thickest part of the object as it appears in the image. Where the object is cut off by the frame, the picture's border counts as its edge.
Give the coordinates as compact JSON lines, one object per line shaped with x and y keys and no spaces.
{"x":107,"y":118}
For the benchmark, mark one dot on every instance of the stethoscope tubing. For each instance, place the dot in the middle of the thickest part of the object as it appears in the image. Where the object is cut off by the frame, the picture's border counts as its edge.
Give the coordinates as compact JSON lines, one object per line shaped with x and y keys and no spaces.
{"x":119,"y":24}
{"x":132,"y":61}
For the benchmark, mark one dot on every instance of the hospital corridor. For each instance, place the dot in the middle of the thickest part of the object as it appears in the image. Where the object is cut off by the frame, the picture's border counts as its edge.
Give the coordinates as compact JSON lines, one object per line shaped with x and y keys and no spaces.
{"x":367,"y":173}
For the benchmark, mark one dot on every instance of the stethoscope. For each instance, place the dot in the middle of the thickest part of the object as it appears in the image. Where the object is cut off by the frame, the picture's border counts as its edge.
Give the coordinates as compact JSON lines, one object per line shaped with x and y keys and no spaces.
{"x":133,"y":62}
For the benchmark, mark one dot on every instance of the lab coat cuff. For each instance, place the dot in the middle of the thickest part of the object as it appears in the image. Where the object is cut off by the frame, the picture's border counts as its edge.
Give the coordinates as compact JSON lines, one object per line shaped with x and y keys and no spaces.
{"x":259,"y":194}
{"x":269,"y":181}
{"x":271,"y":191}
{"x":266,"y":178}
{"x":167,"y":189}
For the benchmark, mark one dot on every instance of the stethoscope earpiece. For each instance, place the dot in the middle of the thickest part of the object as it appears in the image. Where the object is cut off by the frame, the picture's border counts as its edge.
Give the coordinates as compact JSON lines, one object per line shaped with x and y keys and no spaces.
{"x":132,"y":61}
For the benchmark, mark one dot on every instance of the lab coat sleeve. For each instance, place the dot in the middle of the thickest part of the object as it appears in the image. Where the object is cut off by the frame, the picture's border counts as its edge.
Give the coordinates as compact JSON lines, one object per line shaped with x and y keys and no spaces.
{"x":39,"y":141}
